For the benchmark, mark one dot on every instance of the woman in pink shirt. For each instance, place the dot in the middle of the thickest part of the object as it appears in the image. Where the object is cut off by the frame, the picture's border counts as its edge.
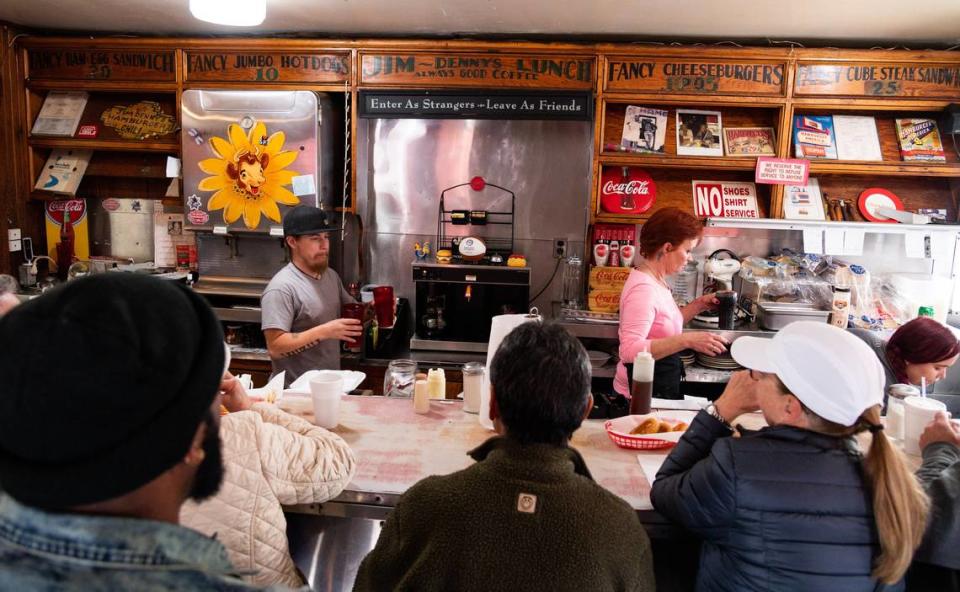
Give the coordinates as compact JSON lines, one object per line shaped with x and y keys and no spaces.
{"x":649,"y":318}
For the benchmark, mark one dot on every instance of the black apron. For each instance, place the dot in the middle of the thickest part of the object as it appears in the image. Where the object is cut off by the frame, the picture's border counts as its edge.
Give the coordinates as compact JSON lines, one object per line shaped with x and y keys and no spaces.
{"x":667,"y":374}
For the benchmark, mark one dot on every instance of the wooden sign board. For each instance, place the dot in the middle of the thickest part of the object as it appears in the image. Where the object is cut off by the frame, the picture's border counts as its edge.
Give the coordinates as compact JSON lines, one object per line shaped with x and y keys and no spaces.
{"x":484,"y":70}
{"x":878,"y":79}
{"x":280,"y":67}
{"x":148,"y":65}
{"x":685,"y":76}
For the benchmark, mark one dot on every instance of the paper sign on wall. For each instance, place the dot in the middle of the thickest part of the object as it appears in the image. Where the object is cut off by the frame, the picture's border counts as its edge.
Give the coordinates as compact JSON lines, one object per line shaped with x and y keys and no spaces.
{"x":813,"y":241}
{"x":853,"y":242}
{"x":833,"y":241}
{"x":941,"y":245}
{"x":782,"y":171}
{"x":717,"y":199}
{"x":914,"y":245}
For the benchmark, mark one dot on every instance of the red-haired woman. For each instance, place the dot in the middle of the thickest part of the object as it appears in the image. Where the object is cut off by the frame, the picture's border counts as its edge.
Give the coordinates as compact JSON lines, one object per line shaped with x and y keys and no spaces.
{"x":649,"y":318}
{"x":920,"y":349}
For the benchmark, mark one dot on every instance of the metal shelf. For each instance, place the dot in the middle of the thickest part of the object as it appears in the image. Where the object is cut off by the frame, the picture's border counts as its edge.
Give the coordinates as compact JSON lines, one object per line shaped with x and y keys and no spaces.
{"x":869,"y":227}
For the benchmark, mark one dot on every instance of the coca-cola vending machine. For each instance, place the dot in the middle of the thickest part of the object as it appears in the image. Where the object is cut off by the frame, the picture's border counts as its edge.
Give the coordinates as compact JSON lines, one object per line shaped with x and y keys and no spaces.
{"x":626,"y":190}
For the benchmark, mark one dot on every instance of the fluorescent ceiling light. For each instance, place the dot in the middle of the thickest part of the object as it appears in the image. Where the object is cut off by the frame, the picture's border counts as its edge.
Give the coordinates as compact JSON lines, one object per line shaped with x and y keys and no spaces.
{"x":236,"y":13}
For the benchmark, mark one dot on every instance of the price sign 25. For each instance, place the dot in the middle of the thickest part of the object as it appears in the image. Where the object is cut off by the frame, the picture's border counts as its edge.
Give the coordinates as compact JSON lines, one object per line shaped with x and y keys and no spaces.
{"x":883,"y":88}
{"x":698,"y":84}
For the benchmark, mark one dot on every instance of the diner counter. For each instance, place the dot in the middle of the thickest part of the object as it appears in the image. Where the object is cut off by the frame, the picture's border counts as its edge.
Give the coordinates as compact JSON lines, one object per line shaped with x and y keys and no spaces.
{"x":396,"y":447}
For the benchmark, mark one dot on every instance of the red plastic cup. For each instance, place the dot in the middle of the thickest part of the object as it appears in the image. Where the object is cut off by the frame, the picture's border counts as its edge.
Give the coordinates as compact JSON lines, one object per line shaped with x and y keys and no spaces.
{"x":352,"y":311}
{"x":383,"y":303}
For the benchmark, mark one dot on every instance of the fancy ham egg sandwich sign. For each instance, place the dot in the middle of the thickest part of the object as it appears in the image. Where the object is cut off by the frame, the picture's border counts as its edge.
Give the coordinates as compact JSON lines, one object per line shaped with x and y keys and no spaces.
{"x":716,"y":199}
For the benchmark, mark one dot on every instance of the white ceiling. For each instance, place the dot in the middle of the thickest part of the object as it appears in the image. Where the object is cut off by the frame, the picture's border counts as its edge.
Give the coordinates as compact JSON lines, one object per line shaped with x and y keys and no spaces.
{"x":918,"y":23}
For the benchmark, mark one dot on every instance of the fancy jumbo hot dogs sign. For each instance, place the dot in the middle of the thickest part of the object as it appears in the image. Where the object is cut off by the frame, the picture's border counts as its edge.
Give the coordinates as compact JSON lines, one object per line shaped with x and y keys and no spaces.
{"x":717,"y":199}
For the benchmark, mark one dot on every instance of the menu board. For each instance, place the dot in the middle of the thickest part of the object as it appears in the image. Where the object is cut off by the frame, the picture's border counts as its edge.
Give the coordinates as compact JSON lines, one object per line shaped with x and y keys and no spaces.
{"x":878,"y":79}
{"x":147,"y":65}
{"x":279,"y":67}
{"x":485,"y":70}
{"x":686,"y":76}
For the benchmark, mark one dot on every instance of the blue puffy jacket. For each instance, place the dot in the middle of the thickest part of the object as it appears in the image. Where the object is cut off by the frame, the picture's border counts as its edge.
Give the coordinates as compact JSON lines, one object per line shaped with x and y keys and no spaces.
{"x":779,"y":509}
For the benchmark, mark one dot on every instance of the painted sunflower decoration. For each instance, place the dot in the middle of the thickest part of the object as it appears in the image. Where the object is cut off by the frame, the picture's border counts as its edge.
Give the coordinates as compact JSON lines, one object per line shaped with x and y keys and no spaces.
{"x":249,"y":175}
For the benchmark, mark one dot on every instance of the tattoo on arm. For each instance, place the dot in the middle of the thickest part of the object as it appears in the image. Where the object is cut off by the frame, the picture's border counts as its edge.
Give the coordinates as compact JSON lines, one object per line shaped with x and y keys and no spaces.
{"x":302,"y":348}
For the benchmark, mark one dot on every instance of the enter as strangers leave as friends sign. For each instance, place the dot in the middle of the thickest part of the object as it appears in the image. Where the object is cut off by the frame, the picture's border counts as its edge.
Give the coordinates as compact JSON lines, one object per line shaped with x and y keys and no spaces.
{"x":719,"y":199}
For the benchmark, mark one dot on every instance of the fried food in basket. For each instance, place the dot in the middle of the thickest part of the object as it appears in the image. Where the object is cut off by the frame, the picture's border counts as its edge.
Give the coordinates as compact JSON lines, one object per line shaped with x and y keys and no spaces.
{"x":651,"y":425}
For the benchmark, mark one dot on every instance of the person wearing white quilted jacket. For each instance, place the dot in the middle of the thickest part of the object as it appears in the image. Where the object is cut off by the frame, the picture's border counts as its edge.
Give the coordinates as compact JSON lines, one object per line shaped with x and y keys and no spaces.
{"x":271,"y":458}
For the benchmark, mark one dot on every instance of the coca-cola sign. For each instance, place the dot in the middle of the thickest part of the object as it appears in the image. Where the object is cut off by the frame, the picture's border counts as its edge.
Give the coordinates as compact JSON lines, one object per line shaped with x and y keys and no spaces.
{"x":611,"y":275}
{"x":76,"y":207}
{"x":626,"y":190}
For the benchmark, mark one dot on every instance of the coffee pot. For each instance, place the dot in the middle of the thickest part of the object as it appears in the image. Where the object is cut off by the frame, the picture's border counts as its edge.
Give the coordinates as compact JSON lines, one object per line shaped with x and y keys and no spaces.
{"x":432,"y":319}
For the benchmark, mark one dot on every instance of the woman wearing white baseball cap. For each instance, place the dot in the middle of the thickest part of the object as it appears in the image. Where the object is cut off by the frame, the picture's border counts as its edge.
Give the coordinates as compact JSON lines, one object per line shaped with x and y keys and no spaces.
{"x":796,"y":505}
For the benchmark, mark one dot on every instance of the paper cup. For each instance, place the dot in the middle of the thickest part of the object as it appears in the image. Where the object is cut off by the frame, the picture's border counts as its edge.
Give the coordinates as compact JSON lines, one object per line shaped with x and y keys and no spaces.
{"x":326,"y":390}
{"x":917,"y":413}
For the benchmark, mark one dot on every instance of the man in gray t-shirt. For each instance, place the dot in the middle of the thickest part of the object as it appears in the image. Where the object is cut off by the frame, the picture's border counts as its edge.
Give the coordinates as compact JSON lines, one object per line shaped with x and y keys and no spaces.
{"x":301,"y":304}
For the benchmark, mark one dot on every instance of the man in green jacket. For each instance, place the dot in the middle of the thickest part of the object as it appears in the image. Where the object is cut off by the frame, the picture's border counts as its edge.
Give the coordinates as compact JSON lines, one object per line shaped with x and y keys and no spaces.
{"x":527,"y":515}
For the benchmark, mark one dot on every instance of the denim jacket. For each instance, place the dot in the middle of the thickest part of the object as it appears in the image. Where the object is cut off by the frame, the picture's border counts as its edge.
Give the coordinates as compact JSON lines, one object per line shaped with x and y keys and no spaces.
{"x":41,"y":551}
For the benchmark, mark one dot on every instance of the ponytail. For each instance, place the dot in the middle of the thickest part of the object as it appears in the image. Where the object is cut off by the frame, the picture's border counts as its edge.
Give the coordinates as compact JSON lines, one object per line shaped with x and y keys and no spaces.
{"x":900,"y":505}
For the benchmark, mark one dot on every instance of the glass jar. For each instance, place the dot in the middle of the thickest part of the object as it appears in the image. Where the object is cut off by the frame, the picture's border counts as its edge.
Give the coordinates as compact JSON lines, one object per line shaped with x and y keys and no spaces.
{"x":572,"y":283}
{"x":896,"y":394}
{"x":472,"y":383}
{"x":398,"y":381}
{"x":684,"y":284}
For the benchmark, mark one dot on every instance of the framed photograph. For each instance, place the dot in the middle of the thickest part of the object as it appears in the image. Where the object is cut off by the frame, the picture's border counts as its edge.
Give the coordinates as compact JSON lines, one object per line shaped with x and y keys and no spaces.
{"x":749,"y":141}
{"x":803,"y":202}
{"x":644,"y":130}
{"x":699,"y":133}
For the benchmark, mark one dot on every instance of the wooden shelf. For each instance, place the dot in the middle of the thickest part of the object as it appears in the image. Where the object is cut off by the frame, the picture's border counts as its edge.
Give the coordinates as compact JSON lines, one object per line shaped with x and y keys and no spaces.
{"x":884,"y":168}
{"x":727,"y":163}
{"x":103,"y":86}
{"x":78,"y":143}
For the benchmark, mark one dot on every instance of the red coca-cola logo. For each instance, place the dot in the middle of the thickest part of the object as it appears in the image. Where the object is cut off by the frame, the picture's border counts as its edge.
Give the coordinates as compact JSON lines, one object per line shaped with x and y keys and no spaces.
{"x":111,"y":205}
{"x":627,"y":190}
{"x":76,"y":207}
{"x":606,"y":298}
{"x":613,"y":274}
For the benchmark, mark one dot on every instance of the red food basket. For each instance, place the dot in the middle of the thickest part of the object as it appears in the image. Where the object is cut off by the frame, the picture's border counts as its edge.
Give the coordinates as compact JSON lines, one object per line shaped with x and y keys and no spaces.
{"x":619,"y":432}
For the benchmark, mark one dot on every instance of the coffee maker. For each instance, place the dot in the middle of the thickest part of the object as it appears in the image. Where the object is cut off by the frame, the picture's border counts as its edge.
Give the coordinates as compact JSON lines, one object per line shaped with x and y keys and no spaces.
{"x":456,"y":303}
{"x":718,"y":269}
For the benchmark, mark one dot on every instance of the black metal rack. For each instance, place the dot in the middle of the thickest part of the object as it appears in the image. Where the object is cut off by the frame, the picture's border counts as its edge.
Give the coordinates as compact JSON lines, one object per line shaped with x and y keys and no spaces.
{"x":500,"y":245}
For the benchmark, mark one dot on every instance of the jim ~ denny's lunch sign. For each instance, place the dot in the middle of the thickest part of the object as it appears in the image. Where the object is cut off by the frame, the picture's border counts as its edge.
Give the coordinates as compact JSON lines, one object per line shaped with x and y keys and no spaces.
{"x":484,"y":70}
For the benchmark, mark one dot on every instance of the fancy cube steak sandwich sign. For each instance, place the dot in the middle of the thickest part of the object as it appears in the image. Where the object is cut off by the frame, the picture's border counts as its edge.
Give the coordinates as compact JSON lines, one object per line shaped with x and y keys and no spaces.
{"x":627,"y":190}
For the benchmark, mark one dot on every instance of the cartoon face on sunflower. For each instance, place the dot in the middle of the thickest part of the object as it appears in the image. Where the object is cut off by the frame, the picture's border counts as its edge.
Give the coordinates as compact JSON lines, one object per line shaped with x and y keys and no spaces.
{"x":249,"y":175}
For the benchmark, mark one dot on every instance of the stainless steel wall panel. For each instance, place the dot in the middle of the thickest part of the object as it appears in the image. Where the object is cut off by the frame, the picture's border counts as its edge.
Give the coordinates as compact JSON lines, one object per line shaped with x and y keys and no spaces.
{"x":404,"y":164}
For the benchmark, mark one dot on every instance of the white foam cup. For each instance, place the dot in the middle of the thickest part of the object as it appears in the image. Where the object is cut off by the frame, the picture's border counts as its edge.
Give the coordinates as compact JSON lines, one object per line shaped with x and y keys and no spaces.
{"x":917,"y":413}
{"x":326,"y":390}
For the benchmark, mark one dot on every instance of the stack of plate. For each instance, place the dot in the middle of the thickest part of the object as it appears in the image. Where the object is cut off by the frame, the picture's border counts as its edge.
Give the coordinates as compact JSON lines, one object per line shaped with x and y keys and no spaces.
{"x":598,"y":358}
{"x":688,"y":356}
{"x":721,"y":362}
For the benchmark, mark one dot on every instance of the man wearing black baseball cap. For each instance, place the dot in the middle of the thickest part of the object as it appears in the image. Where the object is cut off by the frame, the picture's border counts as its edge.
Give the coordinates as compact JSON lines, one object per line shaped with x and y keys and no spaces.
{"x":300,"y":307}
{"x":109,"y":420}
